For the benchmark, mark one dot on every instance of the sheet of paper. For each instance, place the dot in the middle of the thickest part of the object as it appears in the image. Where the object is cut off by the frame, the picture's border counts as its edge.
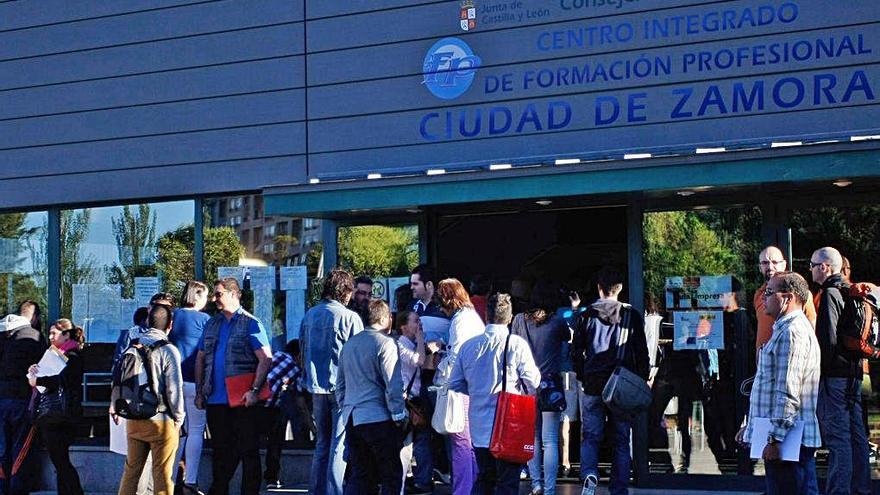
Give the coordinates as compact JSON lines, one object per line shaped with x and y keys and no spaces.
{"x":295,"y":309}
{"x":118,"y":437}
{"x":264,"y":308}
{"x":698,"y":330}
{"x":97,"y":308}
{"x":790,"y":448}
{"x":262,"y":277}
{"x":294,"y":278}
{"x":236,"y":272}
{"x":52,"y":363}
{"x":144,"y":289}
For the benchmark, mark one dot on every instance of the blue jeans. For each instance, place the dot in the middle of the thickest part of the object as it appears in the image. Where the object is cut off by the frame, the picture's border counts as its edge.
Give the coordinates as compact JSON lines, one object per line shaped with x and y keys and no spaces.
{"x":787,"y":477}
{"x":546,"y":452}
{"x":16,"y":439}
{"x":328,"y":464}
{"x":422,"y":474}
{"x":843,"y":433}
{"x":594,"y":417}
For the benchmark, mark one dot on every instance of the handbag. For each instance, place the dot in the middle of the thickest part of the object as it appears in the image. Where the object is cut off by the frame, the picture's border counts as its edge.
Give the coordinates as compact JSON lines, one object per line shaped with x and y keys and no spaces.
{"x":50,"y":407}
{"x":418,"y":417}
{"x":449,"y":413}
{"x":626,"y":393}
{"x":513,"y":434}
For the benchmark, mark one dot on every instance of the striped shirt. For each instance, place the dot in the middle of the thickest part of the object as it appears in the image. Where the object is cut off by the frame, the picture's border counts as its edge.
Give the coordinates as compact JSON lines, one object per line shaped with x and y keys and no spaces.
{"x":787,"y":383}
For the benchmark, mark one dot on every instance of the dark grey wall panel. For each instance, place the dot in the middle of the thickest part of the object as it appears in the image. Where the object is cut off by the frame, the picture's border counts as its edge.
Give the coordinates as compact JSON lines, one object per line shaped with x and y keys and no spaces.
{"x":235,"y":46}
{"x":214,"y":113}
{"x":182,"y":180}
{"x":524,"y":44}
{"x":223,"y":145}
{"x":268,"y":75}
{"x":22,"y":14}
{"x":442,"y":19}
{"x":563,"y":76}
{"x":329,"y":8}
{"x":148,"y":26}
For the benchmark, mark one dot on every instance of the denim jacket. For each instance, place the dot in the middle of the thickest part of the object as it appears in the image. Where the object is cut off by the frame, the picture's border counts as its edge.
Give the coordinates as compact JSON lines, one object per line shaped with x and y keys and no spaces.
{"x":325,"y":329}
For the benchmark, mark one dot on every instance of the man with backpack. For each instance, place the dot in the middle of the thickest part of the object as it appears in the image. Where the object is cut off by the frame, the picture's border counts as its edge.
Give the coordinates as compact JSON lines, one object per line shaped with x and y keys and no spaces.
{"x":148,"y":391}
{"x":840,"y":398}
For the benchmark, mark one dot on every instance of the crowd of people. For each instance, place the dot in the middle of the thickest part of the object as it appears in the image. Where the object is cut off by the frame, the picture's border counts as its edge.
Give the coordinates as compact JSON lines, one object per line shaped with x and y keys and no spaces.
{"x":370,"y":385}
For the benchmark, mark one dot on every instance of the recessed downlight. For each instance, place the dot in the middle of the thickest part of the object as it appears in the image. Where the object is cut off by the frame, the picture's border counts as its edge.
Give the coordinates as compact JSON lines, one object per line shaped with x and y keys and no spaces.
{"x":685,"y":193}
{"x":544,"y":202}
{"x":842,"y":183}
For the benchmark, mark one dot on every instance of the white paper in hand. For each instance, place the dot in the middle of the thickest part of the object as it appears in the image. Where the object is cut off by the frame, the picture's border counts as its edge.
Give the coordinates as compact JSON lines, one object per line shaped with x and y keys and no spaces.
{"x":789,"y":449}
{"x":52,"y":363}
{"x":118,"y":437}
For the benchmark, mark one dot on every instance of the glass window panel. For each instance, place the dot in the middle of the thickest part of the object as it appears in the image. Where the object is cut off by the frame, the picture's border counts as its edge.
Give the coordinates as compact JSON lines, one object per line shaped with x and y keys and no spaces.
{"x":23,"y":260}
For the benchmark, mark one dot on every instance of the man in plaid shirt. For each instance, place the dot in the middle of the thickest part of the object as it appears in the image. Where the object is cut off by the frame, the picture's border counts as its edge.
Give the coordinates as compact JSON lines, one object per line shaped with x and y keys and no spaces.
{"x":787,"y":386}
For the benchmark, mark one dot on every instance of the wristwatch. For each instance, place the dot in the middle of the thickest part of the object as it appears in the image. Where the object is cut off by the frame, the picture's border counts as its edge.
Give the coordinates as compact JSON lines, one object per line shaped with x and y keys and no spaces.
{"x":772,"y":441}
{"x":255,"y":389}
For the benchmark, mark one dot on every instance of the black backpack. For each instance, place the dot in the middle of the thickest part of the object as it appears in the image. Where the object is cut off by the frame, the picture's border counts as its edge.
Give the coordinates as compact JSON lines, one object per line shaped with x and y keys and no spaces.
{"x":135,"y":385}
{"x":858,"y":324}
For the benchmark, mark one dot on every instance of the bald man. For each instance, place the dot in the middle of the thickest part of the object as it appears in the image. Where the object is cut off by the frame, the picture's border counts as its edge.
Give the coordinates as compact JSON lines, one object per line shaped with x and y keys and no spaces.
{"x":771,"y":262}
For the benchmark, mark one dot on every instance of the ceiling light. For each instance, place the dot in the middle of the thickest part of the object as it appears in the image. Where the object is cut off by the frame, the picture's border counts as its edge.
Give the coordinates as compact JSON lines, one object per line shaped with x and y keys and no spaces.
{"x":785,"y":144}
{"x":436,"y":171}
{"x":568,"y":161}
{"x":864,"y":138}
{"x":413,"y":210}
{"x":544,"y":202}
{"x":374,"y":176}
{"x":636,"y":156}
{"x":500,"y":166}
{"x":701,"y":151}
{"x":314,"y":180}
{"x":685,"y":193}
{"x":842,"y":183}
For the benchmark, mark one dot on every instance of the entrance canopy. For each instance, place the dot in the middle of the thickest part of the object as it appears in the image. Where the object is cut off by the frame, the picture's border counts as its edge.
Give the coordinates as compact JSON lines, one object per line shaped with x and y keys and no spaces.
{"x":818,"y":162}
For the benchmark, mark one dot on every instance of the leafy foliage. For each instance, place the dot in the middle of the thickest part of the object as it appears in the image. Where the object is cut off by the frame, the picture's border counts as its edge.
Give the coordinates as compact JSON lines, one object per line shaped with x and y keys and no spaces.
{"x":76,"y":267}
{"x":176,"y":248}
{"x":855,"y":232}
{"x":135,"y":232}
{"x":378,"y":250}
{"x":16,"y":240}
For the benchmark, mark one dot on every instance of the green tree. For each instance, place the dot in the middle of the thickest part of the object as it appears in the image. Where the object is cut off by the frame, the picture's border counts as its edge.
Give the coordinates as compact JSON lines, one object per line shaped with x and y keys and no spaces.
{"x":18,"y":284}
{"x":135,"y":232}
{"x":76,"y":267}
{"x":679,"y":243}
{"x":378,"y":250}
{"x":176,"y":248}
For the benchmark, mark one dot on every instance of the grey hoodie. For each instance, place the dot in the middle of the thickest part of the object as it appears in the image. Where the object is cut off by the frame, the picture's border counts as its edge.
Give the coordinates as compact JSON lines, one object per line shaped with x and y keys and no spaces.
{"x":166,"y":372}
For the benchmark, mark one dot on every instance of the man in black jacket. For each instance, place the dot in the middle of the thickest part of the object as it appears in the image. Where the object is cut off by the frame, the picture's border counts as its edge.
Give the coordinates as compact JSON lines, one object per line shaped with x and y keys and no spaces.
{"x":20,"y":347}
{"x":840,"y":398}
{"x":594,"y":354}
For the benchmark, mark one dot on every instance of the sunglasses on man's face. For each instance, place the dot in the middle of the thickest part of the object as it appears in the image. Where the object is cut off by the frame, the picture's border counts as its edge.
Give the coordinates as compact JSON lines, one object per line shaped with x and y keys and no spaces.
{"x":813,"y":264}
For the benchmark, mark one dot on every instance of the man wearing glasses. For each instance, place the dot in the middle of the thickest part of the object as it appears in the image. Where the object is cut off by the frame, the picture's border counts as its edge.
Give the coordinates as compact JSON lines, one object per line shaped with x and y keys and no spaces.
{"x":840,"y":396}
{"x":771,"y":262}
{"x":786,"y":388}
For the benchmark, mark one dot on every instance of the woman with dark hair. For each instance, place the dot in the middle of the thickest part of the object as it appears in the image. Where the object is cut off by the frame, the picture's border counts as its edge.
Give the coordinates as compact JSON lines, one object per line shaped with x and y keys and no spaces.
{"x":189,"y":324}
{"x":546,"y":332}
{"x":58,"y":434}
{"x":464,"y":324}
{"x":30,"y":309}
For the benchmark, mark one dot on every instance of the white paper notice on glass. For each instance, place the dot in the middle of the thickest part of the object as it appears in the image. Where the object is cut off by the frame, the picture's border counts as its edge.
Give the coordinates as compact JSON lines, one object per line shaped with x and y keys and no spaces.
{"x":236,"y":272}
{"x":52,"y":363}
{"x":118,"y":437}
{"x":262,"y":277}
{"x":294,"y":278}
{"x":789,"y":449}
{"x":144,"y":289}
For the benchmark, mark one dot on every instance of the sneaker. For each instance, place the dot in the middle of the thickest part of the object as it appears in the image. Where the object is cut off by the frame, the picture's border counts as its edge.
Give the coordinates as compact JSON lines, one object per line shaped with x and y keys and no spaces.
{"x":590,"y":484}
{"x":441,"y":477}
{"x":417,"y":489}
{"x":537,"y":491}
{"x":274,"y":485}
{"x":191,"y":490}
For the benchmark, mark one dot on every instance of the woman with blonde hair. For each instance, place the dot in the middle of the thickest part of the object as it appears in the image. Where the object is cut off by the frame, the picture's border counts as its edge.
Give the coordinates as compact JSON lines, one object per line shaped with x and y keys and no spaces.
{"x":464,"y":324}
{"x":56,"y":420}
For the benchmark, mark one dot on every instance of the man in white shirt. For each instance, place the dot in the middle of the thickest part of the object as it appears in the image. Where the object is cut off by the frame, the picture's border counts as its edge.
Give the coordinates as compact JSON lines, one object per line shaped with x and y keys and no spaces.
{"x":477,"y":372}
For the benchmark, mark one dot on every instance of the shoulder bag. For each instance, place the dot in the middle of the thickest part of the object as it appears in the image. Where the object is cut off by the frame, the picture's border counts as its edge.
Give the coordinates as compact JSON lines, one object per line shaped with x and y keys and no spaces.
{"x":513,"y":434}
{"x":626,"y":393}
{"x":418,"y":417}
{"x":551,"y":397}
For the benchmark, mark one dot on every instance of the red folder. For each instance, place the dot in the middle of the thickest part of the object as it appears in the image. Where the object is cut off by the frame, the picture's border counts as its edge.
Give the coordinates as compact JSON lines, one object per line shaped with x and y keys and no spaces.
{"x":237,"y":385}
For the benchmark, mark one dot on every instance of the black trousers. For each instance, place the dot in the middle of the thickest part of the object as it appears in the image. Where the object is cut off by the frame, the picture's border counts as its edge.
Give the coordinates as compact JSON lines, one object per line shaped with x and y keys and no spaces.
{"x":374,"y":458}
{"x":663,"y":392}
{"x":235,"y":436}
{"x":496,"y":476}
{"x":57,"y":440}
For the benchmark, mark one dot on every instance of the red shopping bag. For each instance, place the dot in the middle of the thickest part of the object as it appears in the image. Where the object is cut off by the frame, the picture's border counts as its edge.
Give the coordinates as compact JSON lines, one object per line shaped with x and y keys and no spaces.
{"x":513,"y":435}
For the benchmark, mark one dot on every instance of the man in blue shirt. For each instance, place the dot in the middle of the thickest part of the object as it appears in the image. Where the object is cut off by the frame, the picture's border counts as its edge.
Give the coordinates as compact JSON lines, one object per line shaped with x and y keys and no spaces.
{"x":326,"y":327}
{"x":234,"y":344}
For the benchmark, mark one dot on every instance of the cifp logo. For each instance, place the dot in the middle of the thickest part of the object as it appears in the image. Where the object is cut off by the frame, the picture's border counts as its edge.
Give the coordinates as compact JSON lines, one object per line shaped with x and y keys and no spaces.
{"x":449,"y":68}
